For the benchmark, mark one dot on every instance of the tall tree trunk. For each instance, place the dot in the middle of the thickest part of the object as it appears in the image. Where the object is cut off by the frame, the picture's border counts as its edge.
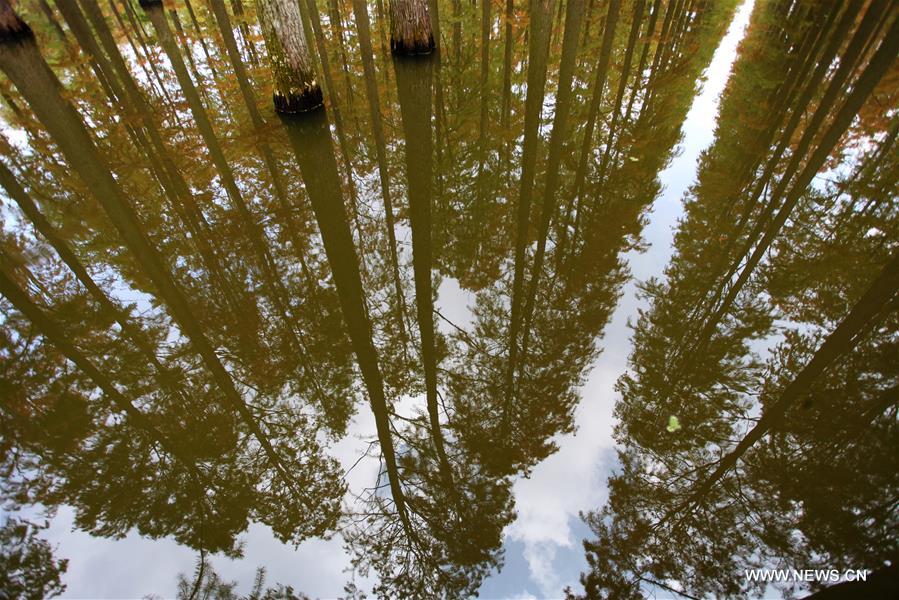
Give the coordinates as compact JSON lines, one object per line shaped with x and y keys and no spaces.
{"x":434,"y":14}
{"x":484,"y":90}
{"x":360,"y":12}
{"x":457,"y":33}
{"x":410,"y":27}
{"x":293,"y":228}
{"x":573,"y":14}
{"x":296,"y":89}
{"x":312,"y":11}
{"x":506,"y":113}
{"x":622,"y":86}
{"x":311,"y":142}
{"x":785,"y":98}
{"x":244,"y":29}
{"x":201,"y":38}
{"x":243,"y":82}
{"x":172,"y":179}
{"x":847,"y":63}
{"x":55,"y":239}
{"x":599,"y":84}
{"x":187,"y":51}
{"x":152,"y":74}
{"x":413,"y":82}
{"x":81,"y":30}
{"x":638,"y":74}
{"x":264,"y":259}
{"x":58,"y":338}
{"x":541,"y":21}
{"x":48,"y":12}
{"x":870,"y":77}
{"x":670,"y":10}
{"x":337,"y":31}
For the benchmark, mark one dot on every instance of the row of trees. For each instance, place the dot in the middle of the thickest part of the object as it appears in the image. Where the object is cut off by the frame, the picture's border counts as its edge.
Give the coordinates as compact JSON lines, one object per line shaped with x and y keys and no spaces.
{"x":198,"y":293}
{"x":782,"y":457}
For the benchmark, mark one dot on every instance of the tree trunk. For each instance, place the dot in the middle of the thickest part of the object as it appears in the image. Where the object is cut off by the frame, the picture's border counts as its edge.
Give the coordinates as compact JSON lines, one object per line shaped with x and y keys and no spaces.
{"x":40,"y":223}
{"x":296,"y":89}
{"x":825,"y":108}
{"x":506,"y":114}
{"x":541,"y":21}
{"x":870,"y":77}
{"x":309,"y":136}
{"x":573,"y":14}
{"x":410,"y":27}
{"x":201,"y":38}
{"x":843,"y":339}
{"x":484,"y":90}
{"x":337,"y":31}
{"x":58,"y":338}
{"x":172,"y":180}
{"x":142,"y":57}
{"x":787,"y":98}
{"x":311,"y":11}
{"x":188,"y":52}
{"x":622,"y":86}
{"x":360,"y":12}
{"x":599,"y":84}
{"x":413,"y":82}
{"x":81,"y":30}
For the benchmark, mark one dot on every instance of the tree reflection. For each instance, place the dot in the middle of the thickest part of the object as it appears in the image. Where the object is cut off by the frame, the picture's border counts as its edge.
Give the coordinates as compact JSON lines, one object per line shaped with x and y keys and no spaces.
{"x":760,"y":463}
{"x":198,"y":295}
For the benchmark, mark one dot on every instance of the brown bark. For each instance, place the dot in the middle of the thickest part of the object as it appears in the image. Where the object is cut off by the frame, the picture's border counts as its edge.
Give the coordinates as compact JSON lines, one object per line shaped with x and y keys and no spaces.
{"x":410,"y":27}
{"x":296,"y":89}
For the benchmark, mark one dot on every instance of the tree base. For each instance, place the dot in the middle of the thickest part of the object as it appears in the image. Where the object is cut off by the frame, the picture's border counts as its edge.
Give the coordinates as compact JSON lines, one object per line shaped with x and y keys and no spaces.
{"x":309,"y":99}
{"x":413,"y":47}
{"x":12,"y":28}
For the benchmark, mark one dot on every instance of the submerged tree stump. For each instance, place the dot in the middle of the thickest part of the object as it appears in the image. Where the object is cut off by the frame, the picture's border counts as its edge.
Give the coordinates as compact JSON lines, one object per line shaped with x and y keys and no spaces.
{"x":410,"y":27}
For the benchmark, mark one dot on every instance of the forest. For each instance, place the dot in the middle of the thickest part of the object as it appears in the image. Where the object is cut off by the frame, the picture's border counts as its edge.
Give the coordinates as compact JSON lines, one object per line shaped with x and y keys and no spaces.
{"x":228,"y":232}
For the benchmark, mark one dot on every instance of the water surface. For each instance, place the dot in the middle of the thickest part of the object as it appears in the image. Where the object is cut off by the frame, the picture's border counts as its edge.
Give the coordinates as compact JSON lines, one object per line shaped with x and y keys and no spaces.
{"x":628,"y":261}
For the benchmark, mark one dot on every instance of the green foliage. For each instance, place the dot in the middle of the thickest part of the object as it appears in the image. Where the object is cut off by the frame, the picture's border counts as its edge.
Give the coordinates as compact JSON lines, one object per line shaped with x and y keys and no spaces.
{"x":28,"y":568}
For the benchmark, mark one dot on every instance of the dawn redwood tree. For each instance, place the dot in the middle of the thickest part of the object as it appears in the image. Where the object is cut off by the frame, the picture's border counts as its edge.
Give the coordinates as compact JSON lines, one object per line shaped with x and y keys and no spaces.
{"x":538,"y":51}
{"x":363,"y":27}
{"x":308,"y":135}
{"x":413,"y":79}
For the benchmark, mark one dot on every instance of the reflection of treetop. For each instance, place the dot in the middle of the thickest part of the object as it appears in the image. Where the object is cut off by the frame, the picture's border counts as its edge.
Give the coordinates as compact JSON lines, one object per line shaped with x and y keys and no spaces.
{"x":202,"y":287}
